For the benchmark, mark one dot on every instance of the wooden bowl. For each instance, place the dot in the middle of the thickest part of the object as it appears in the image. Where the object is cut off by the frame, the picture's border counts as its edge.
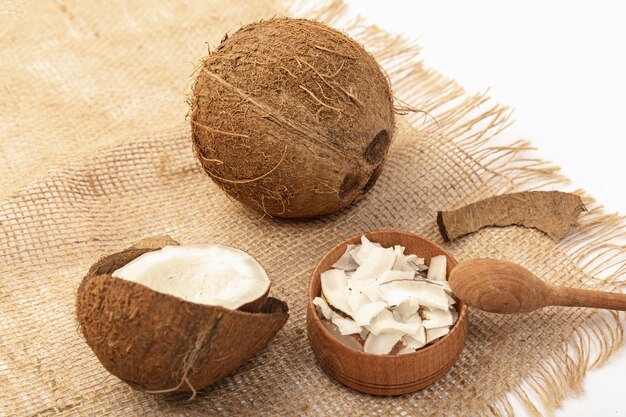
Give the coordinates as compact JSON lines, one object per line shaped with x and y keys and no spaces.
{"x":384,"y":374}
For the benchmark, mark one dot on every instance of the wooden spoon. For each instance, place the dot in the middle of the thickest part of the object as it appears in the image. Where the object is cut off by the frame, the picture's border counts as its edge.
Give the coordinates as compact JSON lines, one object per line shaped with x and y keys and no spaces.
{"x":505,"y":287}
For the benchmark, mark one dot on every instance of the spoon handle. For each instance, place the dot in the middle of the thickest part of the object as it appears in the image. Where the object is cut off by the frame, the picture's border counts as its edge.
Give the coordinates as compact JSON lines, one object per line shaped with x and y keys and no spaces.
{"x":576,"y":297}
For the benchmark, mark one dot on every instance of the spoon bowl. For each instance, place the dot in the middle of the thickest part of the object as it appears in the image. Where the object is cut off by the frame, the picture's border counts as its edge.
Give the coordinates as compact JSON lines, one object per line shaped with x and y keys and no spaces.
{"x":498,"y":286}
{"x":507,"y":288}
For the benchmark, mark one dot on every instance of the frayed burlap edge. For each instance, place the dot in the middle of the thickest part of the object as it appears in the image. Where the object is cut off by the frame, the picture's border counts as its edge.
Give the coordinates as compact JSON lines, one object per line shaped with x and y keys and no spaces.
{"x":595,"y":245}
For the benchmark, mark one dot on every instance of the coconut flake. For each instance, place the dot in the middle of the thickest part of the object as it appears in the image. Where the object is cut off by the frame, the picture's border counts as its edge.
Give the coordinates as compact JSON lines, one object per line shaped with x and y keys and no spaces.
{"x":396,"y":315}
{"x":445,"y":285}
{"x":361,"y":252}
{"x":429,"y":295}
{"x":364,"y":315}
{"x":345,"y":326}
{"x":371,"y":289}
{"x":434,"y":334}
{"x":356,"y":301}
{"x":437,"y":268}
{"x":364,"y":333}
{"x":406,"y":350}
{"x":381,"y":344}
{"x":407,"y":308}
{"x":346,"y":262}
{"x":417,"y":341}
{"x":415,"y":263}
{"x":425,"y":294}
{"x":401,"y":263}
{"x":354,"y":252}
{"x":384,"y":322}
{"x":325,"y":309}
{"x":414,"y":259}
{"x":392,"y":275}
{"x":335,"y":289}
{"x":415,"y":321}
{"x":397,"y":292}
{"x":437,"y":318}
{"x":359,"y":285}
{"x":372,"y":292}
{"x":379,"y":261}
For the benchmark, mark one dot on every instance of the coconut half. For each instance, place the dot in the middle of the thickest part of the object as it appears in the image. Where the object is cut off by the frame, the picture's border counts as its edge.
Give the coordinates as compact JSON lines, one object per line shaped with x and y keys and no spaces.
{"x":159,"y":337}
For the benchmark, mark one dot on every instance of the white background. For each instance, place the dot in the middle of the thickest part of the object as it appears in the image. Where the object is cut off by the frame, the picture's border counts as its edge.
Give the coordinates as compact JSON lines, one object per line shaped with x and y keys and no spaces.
{"x":562,"y":66}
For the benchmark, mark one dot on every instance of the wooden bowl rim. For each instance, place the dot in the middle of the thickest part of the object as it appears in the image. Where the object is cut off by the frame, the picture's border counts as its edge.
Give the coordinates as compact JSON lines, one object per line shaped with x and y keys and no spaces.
{"x":318,"y":321}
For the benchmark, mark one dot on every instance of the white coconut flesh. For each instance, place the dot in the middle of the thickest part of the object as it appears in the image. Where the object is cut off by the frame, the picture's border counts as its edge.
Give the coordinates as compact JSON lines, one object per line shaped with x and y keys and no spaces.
{"x":407,"y":308}
{"x":344,"y":325}
{"x":384,"y":322}
{"x":381,"y":344}
{"x":416,"y":341}
{"x":346,"y":262}
{"x":325,"y":309}
{"x":335,"y":289}
{"x":361,"y":252}
{"x":437,"y":318}
{"x":424,"y":293}
{"x":387,"y":297}
{"x":215,"y":275}
{"x":437,"y":268}
{"x":379,"y":261}
{"x":364,"y":315}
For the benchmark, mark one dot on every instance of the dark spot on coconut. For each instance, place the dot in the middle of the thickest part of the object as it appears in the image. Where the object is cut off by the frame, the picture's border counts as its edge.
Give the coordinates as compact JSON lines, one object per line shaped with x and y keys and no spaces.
{"x":375,"y":151}
{"x":373,"y":179}
{"x":348,"y":185}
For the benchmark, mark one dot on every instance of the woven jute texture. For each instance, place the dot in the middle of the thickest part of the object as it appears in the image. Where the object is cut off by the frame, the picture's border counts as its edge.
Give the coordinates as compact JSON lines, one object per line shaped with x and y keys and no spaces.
{"x":95,"y":154}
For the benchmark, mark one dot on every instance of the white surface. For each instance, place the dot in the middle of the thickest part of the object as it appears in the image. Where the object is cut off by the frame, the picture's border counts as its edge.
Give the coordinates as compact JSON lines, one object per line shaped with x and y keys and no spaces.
{"x":562,"y":66}
{"x":215,"y":275}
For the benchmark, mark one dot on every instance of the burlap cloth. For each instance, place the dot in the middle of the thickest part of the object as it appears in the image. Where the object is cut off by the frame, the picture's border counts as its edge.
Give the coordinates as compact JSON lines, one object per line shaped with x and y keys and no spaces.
{"x":95,"y":154}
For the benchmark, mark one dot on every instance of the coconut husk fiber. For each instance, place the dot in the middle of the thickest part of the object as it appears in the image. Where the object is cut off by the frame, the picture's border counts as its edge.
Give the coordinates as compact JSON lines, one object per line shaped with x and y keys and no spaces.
{"x":96,"y":155}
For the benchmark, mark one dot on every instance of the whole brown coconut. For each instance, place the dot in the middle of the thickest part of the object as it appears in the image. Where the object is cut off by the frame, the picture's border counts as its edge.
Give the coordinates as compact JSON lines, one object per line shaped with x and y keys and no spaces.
{"x":291,"y":117}
{"x":160,"y":343}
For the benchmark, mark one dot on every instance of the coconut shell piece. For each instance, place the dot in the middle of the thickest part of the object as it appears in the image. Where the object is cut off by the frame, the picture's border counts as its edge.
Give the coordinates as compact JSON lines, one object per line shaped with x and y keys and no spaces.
{"x":291,"y":117}
{"x":552,"y":212}
{"x":156,"y":342}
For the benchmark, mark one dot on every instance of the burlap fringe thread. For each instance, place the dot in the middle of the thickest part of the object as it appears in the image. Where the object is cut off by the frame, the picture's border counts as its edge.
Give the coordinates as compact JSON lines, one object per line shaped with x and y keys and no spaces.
{"x":596,"y":244}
